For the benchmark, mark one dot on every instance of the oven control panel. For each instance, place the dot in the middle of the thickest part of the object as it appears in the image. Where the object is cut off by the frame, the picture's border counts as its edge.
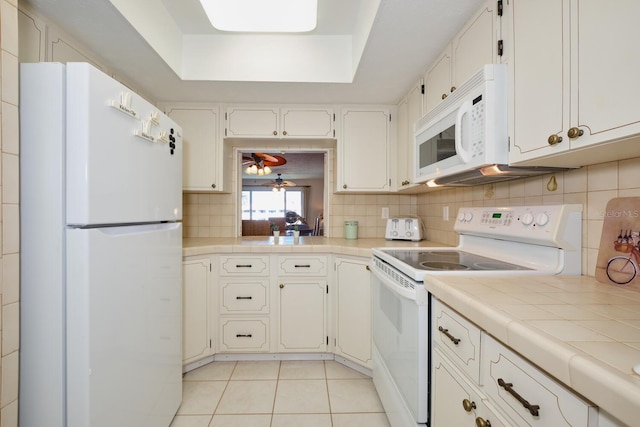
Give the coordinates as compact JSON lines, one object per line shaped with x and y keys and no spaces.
{"x":545,"y":224}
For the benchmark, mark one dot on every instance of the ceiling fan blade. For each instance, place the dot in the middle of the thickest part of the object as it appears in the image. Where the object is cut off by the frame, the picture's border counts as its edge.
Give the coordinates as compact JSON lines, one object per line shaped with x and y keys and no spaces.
{"x":278,"y":162}
{"x":267,"y":157}
{"x":289,"y":183}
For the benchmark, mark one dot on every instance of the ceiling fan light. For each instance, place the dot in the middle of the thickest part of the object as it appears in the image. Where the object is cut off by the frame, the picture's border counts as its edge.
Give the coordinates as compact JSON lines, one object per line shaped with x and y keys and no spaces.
{"x":267,"y":170}
{"x":260,"y":172}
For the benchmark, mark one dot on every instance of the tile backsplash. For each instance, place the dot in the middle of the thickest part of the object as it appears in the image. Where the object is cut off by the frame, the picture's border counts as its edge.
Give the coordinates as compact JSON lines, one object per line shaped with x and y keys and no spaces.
{"x":214,"y":215}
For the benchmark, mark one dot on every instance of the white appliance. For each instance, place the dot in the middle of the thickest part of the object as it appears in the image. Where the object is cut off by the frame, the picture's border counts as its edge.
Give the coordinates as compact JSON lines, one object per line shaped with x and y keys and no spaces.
{"x":404,"y":229}
{"x":101,"y":300}
{"x":464,"y":140}
{"x":493,"y":241}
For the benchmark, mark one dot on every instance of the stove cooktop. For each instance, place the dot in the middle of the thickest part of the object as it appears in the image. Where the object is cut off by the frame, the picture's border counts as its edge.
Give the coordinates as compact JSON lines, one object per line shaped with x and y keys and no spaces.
{"x":441,"y":260}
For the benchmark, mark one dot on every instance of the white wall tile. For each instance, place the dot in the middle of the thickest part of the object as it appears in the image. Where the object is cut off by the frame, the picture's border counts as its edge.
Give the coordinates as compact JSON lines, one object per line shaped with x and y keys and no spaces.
{"x":10,"y":129}
{"x":10,"y":368}
{"x":10,"y":229}
{"x":9,"y":78}
{"x":603,"y":176}
{"x":10,"y":178}
{"x":10,"y":278}
{"x":10,"y":328}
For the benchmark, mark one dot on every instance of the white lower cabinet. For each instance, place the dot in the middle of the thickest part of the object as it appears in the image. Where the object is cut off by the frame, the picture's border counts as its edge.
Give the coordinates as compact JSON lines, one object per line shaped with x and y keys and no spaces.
{"x":476,"y":380}
{"x":196,"y":326}
{"x":352,"y":310}
{"x":302,"y":303}
{"x":526,"y":394}
{"x":244,"y":303}
{"x":455,"y":401}
{"x":302,"y":308}
{"x":277,"y":303}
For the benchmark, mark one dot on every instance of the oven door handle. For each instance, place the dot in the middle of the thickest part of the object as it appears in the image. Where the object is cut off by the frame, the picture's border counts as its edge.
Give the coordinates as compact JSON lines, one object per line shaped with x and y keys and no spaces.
{"x":394,"y":287}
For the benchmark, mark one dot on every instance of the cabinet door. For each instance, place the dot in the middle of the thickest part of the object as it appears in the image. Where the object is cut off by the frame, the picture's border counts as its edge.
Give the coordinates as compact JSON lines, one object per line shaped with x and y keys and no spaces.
{"x":196,"y":339}
{"x":402,"y":147}
{"x":437,"y":81}
{"x":363,"y":150}
{"x":353,"y":310}
{"x":538,"y":78}
{"x":604,"y":80}
{"x":31,"y":38}
{"x":409,"y":111}
{"x":475,"y":45}
{"x":307,"y":122}
{"x":202,"y":161}
{"x":302,"y":311}
{"x":251,"y":122}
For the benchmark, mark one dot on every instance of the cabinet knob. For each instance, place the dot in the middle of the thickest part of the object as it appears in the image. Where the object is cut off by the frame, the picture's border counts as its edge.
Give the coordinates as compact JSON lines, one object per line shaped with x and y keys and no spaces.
{"x":275,"y":132}
{"x":344,"y":186}
{"x":444,"y":95}
{"x":574,"y":132}
{"x":368,"y":268}
{"x":281,"y":285}
{"x":453,"y":88}
{"x":468,"y":405}
{"x":284,"y":132}
{"x":480,"y":422}
{"x":213,"y":186}
{"x":554,"y":139}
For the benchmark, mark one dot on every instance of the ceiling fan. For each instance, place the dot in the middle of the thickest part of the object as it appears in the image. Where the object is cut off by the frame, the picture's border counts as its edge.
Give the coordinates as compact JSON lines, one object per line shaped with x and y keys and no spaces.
{"x":261,"y":163}
{"x":278,"y":184}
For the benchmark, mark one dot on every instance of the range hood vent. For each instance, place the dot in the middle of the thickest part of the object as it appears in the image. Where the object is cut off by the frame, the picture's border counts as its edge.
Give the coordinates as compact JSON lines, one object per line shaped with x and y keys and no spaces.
{"x":491,"y":174}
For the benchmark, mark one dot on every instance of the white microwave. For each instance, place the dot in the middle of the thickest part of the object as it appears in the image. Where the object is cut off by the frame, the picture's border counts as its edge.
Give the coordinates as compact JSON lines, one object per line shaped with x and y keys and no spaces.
{"x":467,"y":132}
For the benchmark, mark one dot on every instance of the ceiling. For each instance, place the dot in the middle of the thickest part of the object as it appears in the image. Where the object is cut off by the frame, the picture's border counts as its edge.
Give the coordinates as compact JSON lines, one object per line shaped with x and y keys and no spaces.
{"x":405,"y":37}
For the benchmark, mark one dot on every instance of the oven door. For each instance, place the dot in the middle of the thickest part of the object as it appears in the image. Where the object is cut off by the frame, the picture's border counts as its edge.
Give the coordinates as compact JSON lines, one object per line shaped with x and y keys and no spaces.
{"x":400,"y":339}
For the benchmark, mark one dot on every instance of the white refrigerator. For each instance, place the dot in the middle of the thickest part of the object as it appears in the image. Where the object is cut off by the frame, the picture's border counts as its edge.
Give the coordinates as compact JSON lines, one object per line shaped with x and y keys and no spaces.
{"x":101,"y":248}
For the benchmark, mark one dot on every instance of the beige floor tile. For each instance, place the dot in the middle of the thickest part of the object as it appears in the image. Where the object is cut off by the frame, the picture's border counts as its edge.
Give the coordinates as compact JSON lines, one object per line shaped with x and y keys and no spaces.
{"x":337,"y":370}
{"x":213,"y":371}
{"x":301,"y":396}
{"x":191,"y":421}
{"x":248,"y":397}
{"x":201,"y":397}
{"x":302,"y":370}
{"x":263,"y":420}
{"x":262,"y":370}
{"x":353,"y":396}
{"x":360,"y":420}
{"x":298,"y":420}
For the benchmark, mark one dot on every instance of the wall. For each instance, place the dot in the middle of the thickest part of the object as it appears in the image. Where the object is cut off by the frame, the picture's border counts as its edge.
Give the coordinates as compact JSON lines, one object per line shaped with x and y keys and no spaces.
{"x":592,"y":186}
{"x":9,"y":191}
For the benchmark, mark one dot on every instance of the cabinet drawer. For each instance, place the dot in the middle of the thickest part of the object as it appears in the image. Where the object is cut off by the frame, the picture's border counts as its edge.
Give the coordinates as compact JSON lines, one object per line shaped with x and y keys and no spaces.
{"x":458,"y":338}
{"x":244,"y":335}
{"x":514,"y":383}
{"x":302,"y":265}
{"x":242,"y":297}
{"x":247,"y":265}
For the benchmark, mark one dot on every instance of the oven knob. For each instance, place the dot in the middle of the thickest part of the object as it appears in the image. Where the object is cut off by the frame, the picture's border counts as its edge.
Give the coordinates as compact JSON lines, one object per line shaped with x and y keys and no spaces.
{"x":468,"y":216}
{"x":527,"y":219}
{"x":542,"y":219}
{"x":461,"y":216}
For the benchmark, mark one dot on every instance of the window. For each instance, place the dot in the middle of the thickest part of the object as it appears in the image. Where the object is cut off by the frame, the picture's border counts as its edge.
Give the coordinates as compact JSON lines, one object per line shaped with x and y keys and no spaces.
{"x":264,"y":203}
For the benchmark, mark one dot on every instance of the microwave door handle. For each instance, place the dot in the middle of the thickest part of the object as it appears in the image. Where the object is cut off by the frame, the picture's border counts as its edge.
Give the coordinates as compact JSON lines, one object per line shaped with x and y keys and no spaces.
{"x":465,"y":108}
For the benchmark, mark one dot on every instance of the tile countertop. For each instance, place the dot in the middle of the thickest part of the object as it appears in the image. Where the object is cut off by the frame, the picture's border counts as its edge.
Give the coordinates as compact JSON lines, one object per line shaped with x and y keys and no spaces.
{"x":584,"y":333}
{"x":287,"y":244}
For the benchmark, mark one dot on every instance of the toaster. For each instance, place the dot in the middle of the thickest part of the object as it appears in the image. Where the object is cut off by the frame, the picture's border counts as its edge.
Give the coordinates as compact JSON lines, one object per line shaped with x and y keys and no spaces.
{"x":404,"y":229}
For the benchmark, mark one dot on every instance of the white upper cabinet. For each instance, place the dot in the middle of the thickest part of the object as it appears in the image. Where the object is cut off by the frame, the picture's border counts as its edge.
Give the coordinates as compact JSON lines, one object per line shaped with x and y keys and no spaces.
{"x":574,"y":83}
{"x":474,"y":46}
{"x":204,"y":157}
{"x":409,"y":111}
{"x":363,"y":149}
{"x":277,"y":122}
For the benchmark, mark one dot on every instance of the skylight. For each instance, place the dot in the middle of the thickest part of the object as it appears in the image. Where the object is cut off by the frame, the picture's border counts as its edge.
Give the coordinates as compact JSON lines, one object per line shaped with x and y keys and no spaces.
{"x":265,"y":16}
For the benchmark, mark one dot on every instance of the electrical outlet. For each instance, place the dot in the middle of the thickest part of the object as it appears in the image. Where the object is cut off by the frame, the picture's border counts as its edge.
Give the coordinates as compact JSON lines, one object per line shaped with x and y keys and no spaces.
{"x":445,"y":213}
{"x":385,"y":213}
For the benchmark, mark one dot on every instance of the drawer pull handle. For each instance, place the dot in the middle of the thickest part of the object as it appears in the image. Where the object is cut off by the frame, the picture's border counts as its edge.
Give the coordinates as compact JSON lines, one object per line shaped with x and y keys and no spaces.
{"x":533,"y":409}
{"x":243,"y":335}
{"x":243,"y":266}
{"x":302,"y":266}
{"x":451,"y":337}
{"x":244,"y":297}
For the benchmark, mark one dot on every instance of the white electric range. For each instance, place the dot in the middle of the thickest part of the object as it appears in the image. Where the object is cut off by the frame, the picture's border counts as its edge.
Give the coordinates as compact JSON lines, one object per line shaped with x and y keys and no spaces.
{"x":522,"y":240}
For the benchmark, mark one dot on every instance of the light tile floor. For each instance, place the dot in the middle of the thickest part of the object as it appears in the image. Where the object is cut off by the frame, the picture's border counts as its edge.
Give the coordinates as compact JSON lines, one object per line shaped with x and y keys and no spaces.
{"x":279,"y":394}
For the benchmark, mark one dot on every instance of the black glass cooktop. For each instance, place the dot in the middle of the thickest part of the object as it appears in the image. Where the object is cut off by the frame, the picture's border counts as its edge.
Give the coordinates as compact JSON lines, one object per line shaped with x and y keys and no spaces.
{"x":451,"y":261}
